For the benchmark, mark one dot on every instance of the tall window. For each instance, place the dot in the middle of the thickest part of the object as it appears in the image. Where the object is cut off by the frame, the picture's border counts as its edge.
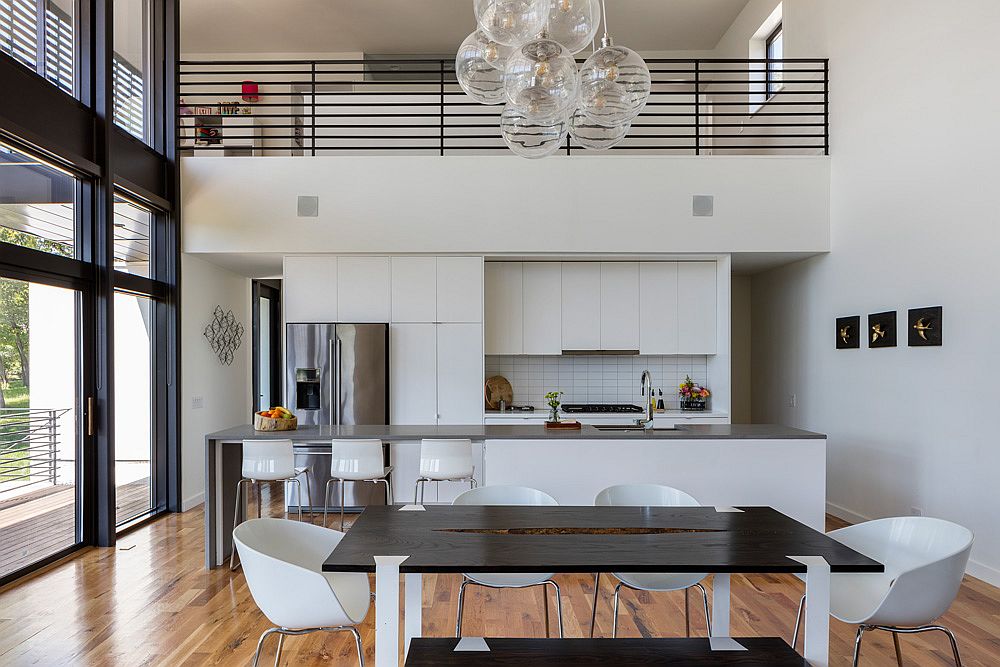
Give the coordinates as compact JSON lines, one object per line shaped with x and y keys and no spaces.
{"x":774,"y":69}
{"x":131,"y":67}
{"x":37,"y":204}
{"x":51,"y":53}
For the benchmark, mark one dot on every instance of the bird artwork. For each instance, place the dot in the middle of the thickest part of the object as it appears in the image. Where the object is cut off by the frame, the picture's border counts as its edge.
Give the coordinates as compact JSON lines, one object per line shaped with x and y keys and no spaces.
{"x":922,"y":326}
{"x":877,"y":332}
{"x":848,"y":332}
{"x":845,"y":333}
{"x":882,"y":329}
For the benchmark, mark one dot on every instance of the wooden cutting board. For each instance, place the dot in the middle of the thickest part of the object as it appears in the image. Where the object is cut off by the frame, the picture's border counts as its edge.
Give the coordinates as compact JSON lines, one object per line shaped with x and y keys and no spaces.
{"x":497,"y":389}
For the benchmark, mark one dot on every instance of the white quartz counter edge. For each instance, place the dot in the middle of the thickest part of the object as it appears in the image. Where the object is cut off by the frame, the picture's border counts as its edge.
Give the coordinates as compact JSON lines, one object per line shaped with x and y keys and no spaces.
{"x":626,"y":416}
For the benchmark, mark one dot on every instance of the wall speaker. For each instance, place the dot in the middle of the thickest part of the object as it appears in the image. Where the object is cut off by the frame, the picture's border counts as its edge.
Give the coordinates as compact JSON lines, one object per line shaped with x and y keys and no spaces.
{"x":703,"y":206}
{"x":308,"y":206}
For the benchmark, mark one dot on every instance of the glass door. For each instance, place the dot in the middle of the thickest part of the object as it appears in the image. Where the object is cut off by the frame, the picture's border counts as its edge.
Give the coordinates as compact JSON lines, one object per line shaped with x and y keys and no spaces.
{"x":40,"y":422}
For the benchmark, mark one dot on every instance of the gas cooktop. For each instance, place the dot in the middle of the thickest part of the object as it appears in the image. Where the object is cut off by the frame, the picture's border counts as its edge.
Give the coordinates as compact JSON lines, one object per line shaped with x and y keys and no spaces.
{"x":571,"y":408}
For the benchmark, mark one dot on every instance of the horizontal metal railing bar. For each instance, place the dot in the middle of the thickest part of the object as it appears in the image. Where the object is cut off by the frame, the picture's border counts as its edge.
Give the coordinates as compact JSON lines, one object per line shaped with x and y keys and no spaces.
{"x":397,"y":137}
{"x":434,"y":147}
{"x":408,"y":126}
{"x":407,"y":61}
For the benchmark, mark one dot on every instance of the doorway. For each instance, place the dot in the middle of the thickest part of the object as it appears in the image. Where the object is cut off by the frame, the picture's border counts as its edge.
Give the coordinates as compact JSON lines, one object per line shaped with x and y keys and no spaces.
{"x":266,"y":344}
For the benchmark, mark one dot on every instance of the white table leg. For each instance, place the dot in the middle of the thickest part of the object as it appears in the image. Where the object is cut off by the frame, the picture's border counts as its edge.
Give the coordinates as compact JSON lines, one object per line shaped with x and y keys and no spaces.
{"x":387,"y":610}
{"x":720,"y":605}
{"x":817,"y":644}
{"x":413,"y":608}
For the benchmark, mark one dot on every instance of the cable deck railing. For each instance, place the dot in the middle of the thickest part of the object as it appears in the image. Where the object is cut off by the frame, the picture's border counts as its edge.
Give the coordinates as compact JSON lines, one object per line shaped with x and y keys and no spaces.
{"x":415,"y":106}
{"x":29,"y":447}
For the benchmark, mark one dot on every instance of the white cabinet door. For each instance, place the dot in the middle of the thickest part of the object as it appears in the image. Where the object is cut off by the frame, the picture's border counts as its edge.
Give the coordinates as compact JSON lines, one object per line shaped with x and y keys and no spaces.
{"x":658,"y":308}
{"x":542,"y":307}
{"x":414,"y":289}
{"x":697,"y":307}
{"x":502,"y":309}
{"x":309,"y":289}
{"x":413,"y":374}
{"x":363,"y":289}
{"x":581,"y":306}
{"x":619,"y":305}
{"x":459,"y":289}
{"x":460,"y":373}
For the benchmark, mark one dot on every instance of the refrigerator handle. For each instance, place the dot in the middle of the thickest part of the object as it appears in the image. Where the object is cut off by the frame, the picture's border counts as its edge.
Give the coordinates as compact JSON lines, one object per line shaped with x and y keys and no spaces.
{"x":332,"y":383}
{"x":336,"y":372}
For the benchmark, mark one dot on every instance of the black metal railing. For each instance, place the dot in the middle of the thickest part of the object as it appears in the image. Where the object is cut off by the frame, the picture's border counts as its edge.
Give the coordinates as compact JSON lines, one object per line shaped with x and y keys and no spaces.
{"x":29,"y":447}
{"x":326,"y":107}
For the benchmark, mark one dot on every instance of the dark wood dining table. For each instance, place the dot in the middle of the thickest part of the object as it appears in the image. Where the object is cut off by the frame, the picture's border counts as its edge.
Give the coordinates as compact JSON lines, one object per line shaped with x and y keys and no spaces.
{"x":413,"y":540}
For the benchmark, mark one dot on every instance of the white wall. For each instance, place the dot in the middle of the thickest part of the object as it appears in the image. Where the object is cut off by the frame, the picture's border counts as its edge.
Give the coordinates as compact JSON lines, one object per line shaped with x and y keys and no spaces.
{"x":225,"y":390}
{"x":740,"y":412}
{"x":505,"y":204}
{"x":913,"y":223}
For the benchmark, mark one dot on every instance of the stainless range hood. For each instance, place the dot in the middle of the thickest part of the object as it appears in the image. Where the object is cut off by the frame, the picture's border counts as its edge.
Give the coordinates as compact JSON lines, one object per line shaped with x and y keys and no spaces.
{"x":596,"y":353}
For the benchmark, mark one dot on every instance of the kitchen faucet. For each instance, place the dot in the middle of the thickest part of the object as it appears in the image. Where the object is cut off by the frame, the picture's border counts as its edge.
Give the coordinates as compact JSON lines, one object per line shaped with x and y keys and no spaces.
{"x":646,"y":382}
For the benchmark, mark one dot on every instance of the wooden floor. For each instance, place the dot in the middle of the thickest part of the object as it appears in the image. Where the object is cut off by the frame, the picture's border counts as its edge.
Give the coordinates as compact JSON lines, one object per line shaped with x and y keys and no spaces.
{"x":42,"y":522}
{"x":149,"y":601}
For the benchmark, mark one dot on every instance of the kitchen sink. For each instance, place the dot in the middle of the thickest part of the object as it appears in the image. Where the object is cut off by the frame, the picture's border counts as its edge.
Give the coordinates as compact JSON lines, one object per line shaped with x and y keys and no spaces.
{"x":630,"y":428}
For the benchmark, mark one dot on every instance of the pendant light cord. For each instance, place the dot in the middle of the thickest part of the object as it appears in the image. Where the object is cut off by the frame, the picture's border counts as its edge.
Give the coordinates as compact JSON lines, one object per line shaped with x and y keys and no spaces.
{"x":604,"y":11}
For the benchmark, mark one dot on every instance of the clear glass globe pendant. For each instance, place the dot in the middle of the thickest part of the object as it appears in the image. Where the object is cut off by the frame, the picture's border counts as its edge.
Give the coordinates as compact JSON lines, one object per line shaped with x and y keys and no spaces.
{"x":574,"y":23}
{"x":541,"y":81}
{"x":531,"y":138}
{"x":593,"y":136}
{"x":614,"y":85}
{"x":479,"y":67}
{"x":511,"y":22}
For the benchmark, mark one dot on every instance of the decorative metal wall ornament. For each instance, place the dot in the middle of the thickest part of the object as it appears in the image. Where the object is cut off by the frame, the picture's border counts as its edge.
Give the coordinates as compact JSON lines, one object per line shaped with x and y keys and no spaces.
{"x":924,"y":326}
{"x":224,"y":334}
{"x":849,"y":332}
{"x":882,"y":329}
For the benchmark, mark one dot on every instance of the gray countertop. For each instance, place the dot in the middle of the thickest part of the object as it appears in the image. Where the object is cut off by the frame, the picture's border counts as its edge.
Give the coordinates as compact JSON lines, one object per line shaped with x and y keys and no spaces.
{"x":396,"y":433}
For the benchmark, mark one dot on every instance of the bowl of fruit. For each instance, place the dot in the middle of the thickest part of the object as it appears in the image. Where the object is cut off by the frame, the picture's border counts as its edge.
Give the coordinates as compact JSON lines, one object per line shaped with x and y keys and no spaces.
{"x":275,"y":419}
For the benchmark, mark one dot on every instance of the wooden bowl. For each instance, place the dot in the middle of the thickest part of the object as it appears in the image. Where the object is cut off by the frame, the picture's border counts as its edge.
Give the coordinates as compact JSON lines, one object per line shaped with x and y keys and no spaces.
{"x":262,"y":423}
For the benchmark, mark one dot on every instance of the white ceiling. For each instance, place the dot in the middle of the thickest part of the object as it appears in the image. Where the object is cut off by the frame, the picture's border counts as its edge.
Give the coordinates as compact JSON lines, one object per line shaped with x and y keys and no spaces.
{"x":421,"y":26}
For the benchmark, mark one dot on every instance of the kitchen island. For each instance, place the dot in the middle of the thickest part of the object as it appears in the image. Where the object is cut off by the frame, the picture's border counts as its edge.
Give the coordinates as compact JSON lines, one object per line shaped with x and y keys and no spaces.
{"x":719,"y":464}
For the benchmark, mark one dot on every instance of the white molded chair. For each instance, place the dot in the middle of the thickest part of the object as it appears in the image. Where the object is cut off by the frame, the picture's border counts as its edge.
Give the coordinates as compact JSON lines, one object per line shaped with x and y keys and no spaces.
{"x":268,"y":461}
{"x":924,"y":560}
{"x":508,"y":495}
{"x":444,"y":461}
{"x":650,"y":495}
{"x":356,"y":461}
{"x":282,"y":562}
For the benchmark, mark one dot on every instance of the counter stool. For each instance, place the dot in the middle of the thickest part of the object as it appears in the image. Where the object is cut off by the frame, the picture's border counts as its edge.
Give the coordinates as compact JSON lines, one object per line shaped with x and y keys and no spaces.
{"x":444,"y":461}
{"x":269,"y":461}
{"x":356,"y":461}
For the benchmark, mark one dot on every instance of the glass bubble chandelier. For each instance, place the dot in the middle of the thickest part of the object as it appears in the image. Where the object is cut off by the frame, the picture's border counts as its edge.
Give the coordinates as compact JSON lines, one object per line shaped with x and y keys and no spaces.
{"x":522,"y":55}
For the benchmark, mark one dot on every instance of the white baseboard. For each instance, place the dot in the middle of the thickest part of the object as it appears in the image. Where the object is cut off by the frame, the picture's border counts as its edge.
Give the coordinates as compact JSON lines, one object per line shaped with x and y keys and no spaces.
{"x":192,"y":501}
{"x":981,"y":571}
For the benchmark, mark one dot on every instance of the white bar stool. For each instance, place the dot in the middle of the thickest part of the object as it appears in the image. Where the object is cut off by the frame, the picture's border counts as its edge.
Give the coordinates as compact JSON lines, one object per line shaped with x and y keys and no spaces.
{"x":444,"y":461}
{"x":356,"y":461}
{"x":269,"y":461}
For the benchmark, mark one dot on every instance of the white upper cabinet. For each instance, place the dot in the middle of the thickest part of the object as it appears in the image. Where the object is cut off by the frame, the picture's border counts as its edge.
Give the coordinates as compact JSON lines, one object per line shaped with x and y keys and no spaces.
{"x":413,"y":374}
{"x":414,"y":289}
{"x":658,"y":308}
{"x":542,"y":313}
{"x":362,"y":289}
{"x":697,"y":308}
{"x":460,"y":373}
{"x":309,"y":289}
{"x":581,"y":305}
{"x":619,"y":306}
{"x":503,"y":309}
{"x":460,"y":289}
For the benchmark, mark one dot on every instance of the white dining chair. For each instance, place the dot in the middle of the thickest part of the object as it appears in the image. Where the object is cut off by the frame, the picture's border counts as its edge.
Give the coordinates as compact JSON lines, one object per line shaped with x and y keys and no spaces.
{"x":649,"y":495}
{"x":509,"y":495}
{"x":356,"y":461}
{"x":924,"y":561}
{"x":444,"y":461}
{"x":269,"y":461}
{"x":282,"y":562}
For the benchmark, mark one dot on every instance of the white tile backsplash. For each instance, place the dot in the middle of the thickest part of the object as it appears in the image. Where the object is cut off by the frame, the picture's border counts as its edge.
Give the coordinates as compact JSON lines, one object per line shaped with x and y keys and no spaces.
{"x":594,"y":379}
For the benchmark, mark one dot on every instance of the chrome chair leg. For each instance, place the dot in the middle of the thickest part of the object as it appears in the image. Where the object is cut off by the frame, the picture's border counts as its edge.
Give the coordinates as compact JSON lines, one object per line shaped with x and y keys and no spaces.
{"x":559,"y":616}
{"x":798,"y":621}
{"x":357,"y":645}
{"x":857,"y":644}
{"x":277,"y":653}
{"x":614,"y":612}
{"x":899,"y":653}
{"x":326,"y":500}
{"x":260,"y":497}
{"x":298,"y":493}
{"x":687,"y":613}
{"x":545,"y":611}
{"x":704,"y":600}
{"x":461,"y":606}
{"x":260,"y":643}
{"x":593,"y":613}
{"x":237,"y":511}
{"x":307,"y":473}
{"x":924,"y":628}
{"x":343,"y":495}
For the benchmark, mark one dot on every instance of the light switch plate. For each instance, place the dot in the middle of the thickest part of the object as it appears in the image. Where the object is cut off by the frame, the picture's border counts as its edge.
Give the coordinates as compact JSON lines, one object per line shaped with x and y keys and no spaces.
{"x":197,"y":402}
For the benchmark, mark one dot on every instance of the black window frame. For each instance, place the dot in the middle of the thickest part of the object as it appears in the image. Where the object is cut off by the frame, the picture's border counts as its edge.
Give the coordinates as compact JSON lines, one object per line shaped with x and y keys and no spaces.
{"x":771,"y":85}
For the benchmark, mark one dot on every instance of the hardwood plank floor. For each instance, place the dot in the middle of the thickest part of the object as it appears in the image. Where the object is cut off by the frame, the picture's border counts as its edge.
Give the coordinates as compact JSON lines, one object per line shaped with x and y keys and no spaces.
{"x":150,"y":601}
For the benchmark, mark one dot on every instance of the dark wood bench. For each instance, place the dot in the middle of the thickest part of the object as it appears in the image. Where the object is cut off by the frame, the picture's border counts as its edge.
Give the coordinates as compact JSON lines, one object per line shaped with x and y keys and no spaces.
{"x":696,"y":652}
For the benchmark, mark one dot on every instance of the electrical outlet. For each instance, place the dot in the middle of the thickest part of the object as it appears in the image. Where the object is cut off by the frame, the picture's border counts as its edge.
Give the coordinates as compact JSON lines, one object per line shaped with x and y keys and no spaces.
{"x":916,"y":511}
{"x":793,"y":401}
{"x":197,"y":402}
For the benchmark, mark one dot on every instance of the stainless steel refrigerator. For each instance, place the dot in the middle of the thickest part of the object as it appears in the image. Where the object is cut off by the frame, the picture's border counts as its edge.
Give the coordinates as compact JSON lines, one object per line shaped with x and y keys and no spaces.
{"x":337,"y":374}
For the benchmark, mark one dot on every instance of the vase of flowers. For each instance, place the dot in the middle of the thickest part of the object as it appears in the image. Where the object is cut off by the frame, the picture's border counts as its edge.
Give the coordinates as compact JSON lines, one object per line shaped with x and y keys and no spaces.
{"x":552,"y":398}
{"x":693,"y":397}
